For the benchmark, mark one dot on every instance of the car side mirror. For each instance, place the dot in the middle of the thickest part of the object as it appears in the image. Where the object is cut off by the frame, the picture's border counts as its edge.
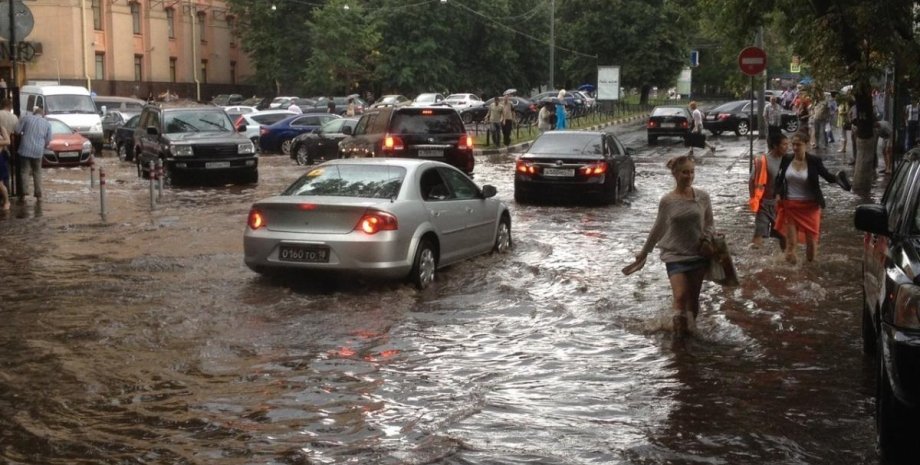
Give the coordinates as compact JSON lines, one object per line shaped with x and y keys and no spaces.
{"x":872,"y":219}
{"x":347,"y":130}
{"x":488,"y":191}
{"x":153,"y":131}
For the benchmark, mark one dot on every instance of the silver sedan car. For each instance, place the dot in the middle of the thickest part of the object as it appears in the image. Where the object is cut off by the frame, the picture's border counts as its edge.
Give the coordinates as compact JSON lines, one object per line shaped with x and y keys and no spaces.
{"x":386,"y":217}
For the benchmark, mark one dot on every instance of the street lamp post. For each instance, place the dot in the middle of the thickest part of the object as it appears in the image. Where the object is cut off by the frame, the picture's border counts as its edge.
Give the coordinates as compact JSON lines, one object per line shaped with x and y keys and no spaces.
{"x":552,"y":42}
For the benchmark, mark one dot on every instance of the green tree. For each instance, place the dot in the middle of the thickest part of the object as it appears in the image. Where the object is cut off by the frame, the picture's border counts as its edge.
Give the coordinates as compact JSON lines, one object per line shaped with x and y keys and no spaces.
{"x":648,"y":39}
{"x":345,"y":45}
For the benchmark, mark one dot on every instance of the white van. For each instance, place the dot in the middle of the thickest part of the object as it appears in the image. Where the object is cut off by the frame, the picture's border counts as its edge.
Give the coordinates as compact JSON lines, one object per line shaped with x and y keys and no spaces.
{"x":71,"y":104}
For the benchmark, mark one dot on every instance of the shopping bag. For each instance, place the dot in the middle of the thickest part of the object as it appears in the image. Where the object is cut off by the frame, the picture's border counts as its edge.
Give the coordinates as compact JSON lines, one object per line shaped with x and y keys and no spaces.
{"x":695,"y":139}
{"x":721,"y":267}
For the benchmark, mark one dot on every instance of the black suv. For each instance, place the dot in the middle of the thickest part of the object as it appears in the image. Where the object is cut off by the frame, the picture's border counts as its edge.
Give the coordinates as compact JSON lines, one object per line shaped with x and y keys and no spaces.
{"x":891,"y":306}
{"x":434,"y":133}
{"x":193,"y":140}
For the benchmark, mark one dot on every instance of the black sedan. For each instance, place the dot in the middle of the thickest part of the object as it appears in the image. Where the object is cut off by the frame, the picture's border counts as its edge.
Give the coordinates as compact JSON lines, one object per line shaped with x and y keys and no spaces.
{"x":323,"y":142}
{"x":668,"y":121}
{"x":112,"y":120}
{"x":735,"y":116}
{"x":123,"y":138}
{"x":575,"y":163}
{"x":524,"y":111}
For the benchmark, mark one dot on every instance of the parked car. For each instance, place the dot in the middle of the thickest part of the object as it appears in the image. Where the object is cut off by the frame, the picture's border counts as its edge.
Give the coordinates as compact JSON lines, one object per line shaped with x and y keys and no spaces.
{"x":236,"y":110}
{"x":434,"y":133}
{"x":428,"y":99}
{"x":388,"y":217}
{"x":575,"y":163}
{"x":322,"y":143}
{"x":668,"y":121}
{"x":277,"y":137}
{"x":222,"y":100}
{"x":67,"y":147}
{"x":341,"y":105}
{"x":192,"y":140}
{"x":124,"y":138}
{"x":524,"y":111}
{"x":735,"y":116}
{"x":463,"y":101}
{"x":111,"y":121}
{"x":253,"y":123}
{"x":280,"y":103}
{"x":107,"y":103}
{"x":590,"y":102}
{"x":574,"y":104}
{"x":891,"y":299}
{"x":391,"y":101}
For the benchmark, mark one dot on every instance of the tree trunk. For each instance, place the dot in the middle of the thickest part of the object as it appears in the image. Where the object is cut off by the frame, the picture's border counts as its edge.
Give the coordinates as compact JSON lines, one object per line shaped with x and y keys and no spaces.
{"x":643,"y":95}
{"x":864,"y":169}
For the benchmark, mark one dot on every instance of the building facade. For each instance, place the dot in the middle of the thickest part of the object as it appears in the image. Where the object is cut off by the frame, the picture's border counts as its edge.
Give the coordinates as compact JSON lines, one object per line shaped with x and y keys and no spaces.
{"x":141,"y":48}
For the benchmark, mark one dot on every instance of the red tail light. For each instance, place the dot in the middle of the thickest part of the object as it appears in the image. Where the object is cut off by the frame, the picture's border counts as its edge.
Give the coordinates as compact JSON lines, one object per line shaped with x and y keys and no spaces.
{"x":466,"y":142}
{"x":393,"y":143}
{"x":594,"y":169}
{"x":724,"y":116}
{"x":651,"y":124}
{"x":684,"y":124}
{"x":524,"y":167}
{"x":374,"y":221}
{"x":256,"y":219}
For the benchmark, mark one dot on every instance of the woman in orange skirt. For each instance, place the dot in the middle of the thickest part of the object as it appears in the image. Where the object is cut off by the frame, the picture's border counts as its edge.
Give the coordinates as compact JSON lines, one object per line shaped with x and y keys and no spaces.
{"x":799,"y":199}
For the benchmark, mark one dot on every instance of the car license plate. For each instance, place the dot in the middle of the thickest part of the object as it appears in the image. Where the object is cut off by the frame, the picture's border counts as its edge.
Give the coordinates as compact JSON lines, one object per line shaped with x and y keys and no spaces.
{"x":430,"y":153}
{"x":307,"y":254}
{"x":667,"y":125}
{"x":217,"y":164}
{"x":69,"y":155}
{"x":558,"y":172}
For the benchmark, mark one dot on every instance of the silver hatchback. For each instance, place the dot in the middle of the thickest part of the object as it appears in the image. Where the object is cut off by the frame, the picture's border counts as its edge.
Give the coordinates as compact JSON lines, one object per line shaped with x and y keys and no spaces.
{"x":385,"y":217}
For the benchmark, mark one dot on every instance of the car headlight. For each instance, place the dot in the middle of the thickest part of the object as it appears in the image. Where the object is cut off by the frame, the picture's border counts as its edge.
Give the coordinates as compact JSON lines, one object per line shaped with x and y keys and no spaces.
{"x":96,"y":127}
{"x":245,"y":147}
{"x":181,"y":150}
{"x":907,"y":307}
{"x":87,"y":145}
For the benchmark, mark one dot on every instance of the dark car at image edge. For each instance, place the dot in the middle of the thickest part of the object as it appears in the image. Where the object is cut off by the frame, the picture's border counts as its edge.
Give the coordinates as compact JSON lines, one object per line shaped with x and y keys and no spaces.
{"x":891,"y":308}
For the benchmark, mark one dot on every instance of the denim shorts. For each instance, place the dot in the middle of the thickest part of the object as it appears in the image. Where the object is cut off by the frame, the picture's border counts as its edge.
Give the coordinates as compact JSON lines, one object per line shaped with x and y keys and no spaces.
{"x":686,"y":266}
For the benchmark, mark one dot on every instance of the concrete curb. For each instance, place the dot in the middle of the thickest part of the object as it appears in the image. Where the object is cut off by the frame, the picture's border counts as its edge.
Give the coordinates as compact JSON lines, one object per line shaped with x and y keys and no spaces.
{"x":526,"y":145}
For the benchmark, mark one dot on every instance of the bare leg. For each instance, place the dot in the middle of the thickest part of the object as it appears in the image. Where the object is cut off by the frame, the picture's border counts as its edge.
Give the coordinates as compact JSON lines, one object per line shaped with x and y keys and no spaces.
{"x":791,"y":243}
{"x":811,"y":247}
{"x":685,"y":288}
{"x":4,"y":193}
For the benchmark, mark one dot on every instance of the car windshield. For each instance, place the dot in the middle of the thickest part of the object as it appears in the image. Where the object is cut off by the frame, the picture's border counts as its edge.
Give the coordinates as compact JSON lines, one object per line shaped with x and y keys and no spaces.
{"x":668,"y":111}
{"x":69,"y":104}
{"x":427,"y":121}
{"x":333,"y":125}
{"x":59,"y":127}
{"x":567,"y":144}
{"x":197,"y":121}
{"x":365,"y":181}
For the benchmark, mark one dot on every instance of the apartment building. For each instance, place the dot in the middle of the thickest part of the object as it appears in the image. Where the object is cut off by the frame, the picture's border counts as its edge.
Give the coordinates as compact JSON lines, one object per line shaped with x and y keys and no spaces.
{"x":137,"y":48}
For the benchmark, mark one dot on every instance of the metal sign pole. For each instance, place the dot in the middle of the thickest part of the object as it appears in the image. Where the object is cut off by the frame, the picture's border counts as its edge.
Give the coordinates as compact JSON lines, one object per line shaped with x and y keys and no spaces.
{"x":751,"y":129}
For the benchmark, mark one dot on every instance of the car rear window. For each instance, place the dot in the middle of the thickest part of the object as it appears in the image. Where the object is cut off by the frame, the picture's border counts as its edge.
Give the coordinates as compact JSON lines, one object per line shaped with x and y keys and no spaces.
{"x":364,"y":181}
{"x":270,"y":119}
{"x":567,"y":144}
{"x":668,"y":112}
{"x":427,"y":121}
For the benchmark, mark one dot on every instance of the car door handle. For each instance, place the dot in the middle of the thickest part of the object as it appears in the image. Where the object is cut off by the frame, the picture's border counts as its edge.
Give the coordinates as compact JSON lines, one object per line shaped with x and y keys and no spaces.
{"x":435,"y":212}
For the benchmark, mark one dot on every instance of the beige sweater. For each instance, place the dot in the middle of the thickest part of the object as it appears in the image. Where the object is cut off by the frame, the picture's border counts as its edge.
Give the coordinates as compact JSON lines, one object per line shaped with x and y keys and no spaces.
{"x":679,"y":226}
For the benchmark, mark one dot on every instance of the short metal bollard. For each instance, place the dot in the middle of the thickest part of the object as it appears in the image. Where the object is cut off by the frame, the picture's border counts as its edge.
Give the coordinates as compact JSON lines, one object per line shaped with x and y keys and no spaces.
{"x":150,"y":177}
{"x":92,"y":171}
{"x":102,"y":193}
{"x":159,"y":168}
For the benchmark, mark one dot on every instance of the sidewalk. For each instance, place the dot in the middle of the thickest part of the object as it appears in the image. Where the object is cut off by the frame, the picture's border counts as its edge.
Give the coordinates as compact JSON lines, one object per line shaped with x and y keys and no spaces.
{"x":523,"y":146}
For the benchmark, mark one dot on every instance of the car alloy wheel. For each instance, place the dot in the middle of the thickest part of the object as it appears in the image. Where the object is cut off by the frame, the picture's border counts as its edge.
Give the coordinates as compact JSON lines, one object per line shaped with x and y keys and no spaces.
{"x":792,"y":126}
{"x":423,"y":270}
{"x":503,"y":237}
{"x":743,"y":128}
{"x":286,"y":147}
{"x":301,"y":155}
{"x":122,"y":152}
{"x":467,"y":117}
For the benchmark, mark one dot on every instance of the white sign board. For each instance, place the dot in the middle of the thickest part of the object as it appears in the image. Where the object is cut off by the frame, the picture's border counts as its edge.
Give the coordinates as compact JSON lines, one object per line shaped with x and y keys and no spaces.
{"x":608,"y":82}
{"x":683,"y":82}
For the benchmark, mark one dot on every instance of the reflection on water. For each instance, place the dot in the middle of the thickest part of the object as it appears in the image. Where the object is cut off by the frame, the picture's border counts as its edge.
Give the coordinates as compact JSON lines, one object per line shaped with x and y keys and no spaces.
{"x":145,"y":340}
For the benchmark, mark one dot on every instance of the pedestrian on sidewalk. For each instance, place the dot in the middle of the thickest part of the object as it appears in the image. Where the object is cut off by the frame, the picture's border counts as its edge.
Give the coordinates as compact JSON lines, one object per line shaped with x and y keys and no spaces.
{"x":35,"y":136}
{"x":561,"y":121}
{"x":831,"y":120}
{"x":507,"y":120}
{"x":545,"y":117}
{"x":682,"y":231}
{"x":843,"y":121}
{"x":773,"y":115}
{"x":696,"y":130}
{"x":494,"y":118}
{"x":762,"y":196}
{"x":883,"y":133}
{"x":912,"y":118}
{"x":800,"y":200}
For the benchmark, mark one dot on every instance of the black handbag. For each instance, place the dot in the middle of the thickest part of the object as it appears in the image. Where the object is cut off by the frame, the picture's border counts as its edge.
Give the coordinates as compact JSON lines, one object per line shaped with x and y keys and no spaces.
{"x":695,"y":139}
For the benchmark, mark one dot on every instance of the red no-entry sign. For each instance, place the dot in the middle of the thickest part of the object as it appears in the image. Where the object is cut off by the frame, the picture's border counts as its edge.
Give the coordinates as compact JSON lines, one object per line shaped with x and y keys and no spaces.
{"x":752,"y":61}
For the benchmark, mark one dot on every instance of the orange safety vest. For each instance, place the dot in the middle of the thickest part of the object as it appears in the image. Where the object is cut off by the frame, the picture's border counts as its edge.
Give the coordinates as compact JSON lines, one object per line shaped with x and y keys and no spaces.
{"x":760,"y":184}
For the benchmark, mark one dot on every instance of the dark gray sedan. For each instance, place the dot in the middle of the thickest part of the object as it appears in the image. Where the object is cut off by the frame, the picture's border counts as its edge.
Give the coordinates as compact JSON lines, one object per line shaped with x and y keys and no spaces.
{"x":386,"y":217}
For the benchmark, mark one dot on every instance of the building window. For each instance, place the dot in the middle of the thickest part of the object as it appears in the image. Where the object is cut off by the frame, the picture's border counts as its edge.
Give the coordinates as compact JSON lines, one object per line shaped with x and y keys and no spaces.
{"x":97,"y":15}
{"x":138,"y":67}
{"x":204,"y":71}
{"x":232,"y":72}
{"x":201,"y":26}
{"x":172,"y":69}
{"x":136,"y":17}
{"x":100,"y":66}
{"x":171,"y":23}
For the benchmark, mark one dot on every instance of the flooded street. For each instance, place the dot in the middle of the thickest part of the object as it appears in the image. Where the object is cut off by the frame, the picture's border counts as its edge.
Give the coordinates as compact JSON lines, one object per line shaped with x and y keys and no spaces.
{"x":145,"y":340}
